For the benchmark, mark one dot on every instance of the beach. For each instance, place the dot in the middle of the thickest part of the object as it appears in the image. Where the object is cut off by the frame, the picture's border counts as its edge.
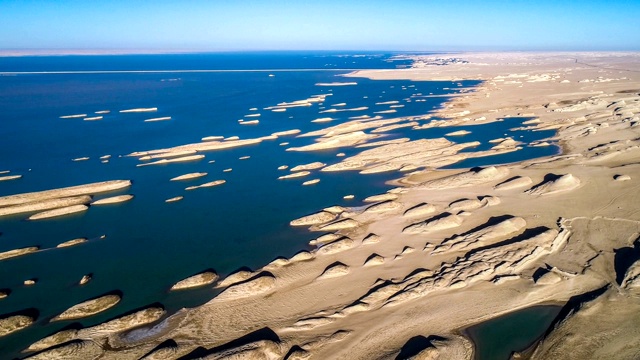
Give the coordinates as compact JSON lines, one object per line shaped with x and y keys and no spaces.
{"x":445,"y":249}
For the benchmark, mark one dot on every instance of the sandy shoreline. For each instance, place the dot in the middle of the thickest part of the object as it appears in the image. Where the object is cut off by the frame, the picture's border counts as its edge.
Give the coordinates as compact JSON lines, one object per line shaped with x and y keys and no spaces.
{"x":476,"y":248}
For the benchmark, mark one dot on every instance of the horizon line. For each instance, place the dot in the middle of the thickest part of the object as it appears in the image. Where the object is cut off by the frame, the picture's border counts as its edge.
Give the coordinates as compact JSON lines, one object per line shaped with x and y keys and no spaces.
{"x":116,"y":52}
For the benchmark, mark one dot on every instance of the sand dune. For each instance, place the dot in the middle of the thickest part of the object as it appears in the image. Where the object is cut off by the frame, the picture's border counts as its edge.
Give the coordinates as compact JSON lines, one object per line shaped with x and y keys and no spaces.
{"x":557,"y":184}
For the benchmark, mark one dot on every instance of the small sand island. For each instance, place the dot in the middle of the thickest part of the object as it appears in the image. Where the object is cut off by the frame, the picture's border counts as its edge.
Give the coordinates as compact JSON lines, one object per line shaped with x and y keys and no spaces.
{"x":412,"y":269}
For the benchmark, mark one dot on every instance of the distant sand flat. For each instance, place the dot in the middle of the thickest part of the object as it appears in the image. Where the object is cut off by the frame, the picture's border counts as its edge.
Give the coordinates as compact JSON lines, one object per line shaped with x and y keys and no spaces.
{"x":165,"y":118}
{"x":139,"y":110}
{"x":73,"y":116}
{"x":337,"y":84}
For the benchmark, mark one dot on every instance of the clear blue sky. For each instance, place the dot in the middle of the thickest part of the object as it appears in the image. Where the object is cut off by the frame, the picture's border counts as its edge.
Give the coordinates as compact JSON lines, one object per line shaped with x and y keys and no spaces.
{"x":320,"y":25}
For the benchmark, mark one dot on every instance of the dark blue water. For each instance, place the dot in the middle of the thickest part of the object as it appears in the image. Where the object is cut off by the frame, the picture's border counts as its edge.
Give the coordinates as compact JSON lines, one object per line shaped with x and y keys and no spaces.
{"x":150,"y":244}
{"x":203,"y":61}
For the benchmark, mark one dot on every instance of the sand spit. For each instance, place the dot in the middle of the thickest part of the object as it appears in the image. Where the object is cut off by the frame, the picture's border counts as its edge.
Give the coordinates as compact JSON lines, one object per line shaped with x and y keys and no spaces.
{"x":174,"y":160}
{"x":189,"y":176}
{"x":47,"y":204}
{"x":113,"y":200}
{"x":212,"y":138}
{"x":174,"y":199}
{"x":361,"y":108}
{"x":139,"y":110}
{"x":93,"y":188}
{"x":198,"y":280}
{"x":337,"y":84}
{"x":483,"y":250}
{"x":14,"y":323}
{"x":458,"y":133}
{"x":294,"y":175}
{"x":338,"y":141}
{"x":17,"y":252}
{"x":77,"y":116}
{"x":67,"y":210}
{"x":286,"y":132}
{"x":10,"y":177}
{"x":165,"y":118}
{"x":322,"y":120}
{"x":206,"y":185}
{"x":395,"y":156}
{"x":321,"y":217}
{"x":88,"y":308}
{"x":227,"y":143}
{"x":72,"y":242}
{"x":311,"y":166}
{"x":93,"y":118}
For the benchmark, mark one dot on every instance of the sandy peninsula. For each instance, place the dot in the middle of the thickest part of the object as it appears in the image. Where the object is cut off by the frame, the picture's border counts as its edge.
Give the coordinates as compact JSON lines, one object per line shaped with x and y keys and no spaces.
{"x":445,"y":249}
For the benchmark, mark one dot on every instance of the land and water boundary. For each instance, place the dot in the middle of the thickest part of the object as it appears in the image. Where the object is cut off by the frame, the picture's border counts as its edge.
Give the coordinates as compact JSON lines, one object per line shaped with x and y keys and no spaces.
{"x":445,"y":249}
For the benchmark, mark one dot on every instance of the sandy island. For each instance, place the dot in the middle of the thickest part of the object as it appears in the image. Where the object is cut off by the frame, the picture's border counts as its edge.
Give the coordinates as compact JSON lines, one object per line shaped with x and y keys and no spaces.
{"x":445,"y":249}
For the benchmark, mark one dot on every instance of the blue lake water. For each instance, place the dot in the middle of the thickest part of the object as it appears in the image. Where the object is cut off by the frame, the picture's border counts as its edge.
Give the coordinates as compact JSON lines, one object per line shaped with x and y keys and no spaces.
{"x":498,"y":338}
{"x":150,"y":244}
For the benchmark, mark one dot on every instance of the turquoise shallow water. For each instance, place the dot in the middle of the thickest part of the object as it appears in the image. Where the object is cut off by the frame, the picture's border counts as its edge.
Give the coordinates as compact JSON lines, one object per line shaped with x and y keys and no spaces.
{"x":149,"y":244}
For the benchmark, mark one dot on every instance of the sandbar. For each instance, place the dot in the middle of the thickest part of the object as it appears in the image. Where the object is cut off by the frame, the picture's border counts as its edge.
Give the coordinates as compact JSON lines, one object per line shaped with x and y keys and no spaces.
{"x":113,"y":200}
{"x":59,"y":212}
{"x":189,"y":176}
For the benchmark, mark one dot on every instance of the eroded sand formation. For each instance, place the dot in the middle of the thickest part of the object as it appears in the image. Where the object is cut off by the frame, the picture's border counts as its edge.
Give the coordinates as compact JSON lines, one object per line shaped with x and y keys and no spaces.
{"x":446,"y":249}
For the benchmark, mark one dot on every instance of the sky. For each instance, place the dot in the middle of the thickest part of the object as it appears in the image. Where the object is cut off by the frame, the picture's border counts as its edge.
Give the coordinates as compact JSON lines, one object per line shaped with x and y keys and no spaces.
{"x":241,"y":25}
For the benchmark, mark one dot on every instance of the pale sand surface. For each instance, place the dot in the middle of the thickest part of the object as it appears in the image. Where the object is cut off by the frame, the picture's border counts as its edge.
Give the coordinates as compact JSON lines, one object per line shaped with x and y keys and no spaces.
{"x":445,"y":249}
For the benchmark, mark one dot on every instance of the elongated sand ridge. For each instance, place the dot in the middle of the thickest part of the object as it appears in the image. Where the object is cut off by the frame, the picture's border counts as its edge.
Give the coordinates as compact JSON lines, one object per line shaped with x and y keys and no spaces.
{"x":88,"y":308}
{"x":113,"y":200}
{"x":87,"y":189}
{"x":67,"y":210}
{"x":444,"y":249}
{"x":138,"y":110}
{"x":47,"y":204}
{"x":189,"y":176}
